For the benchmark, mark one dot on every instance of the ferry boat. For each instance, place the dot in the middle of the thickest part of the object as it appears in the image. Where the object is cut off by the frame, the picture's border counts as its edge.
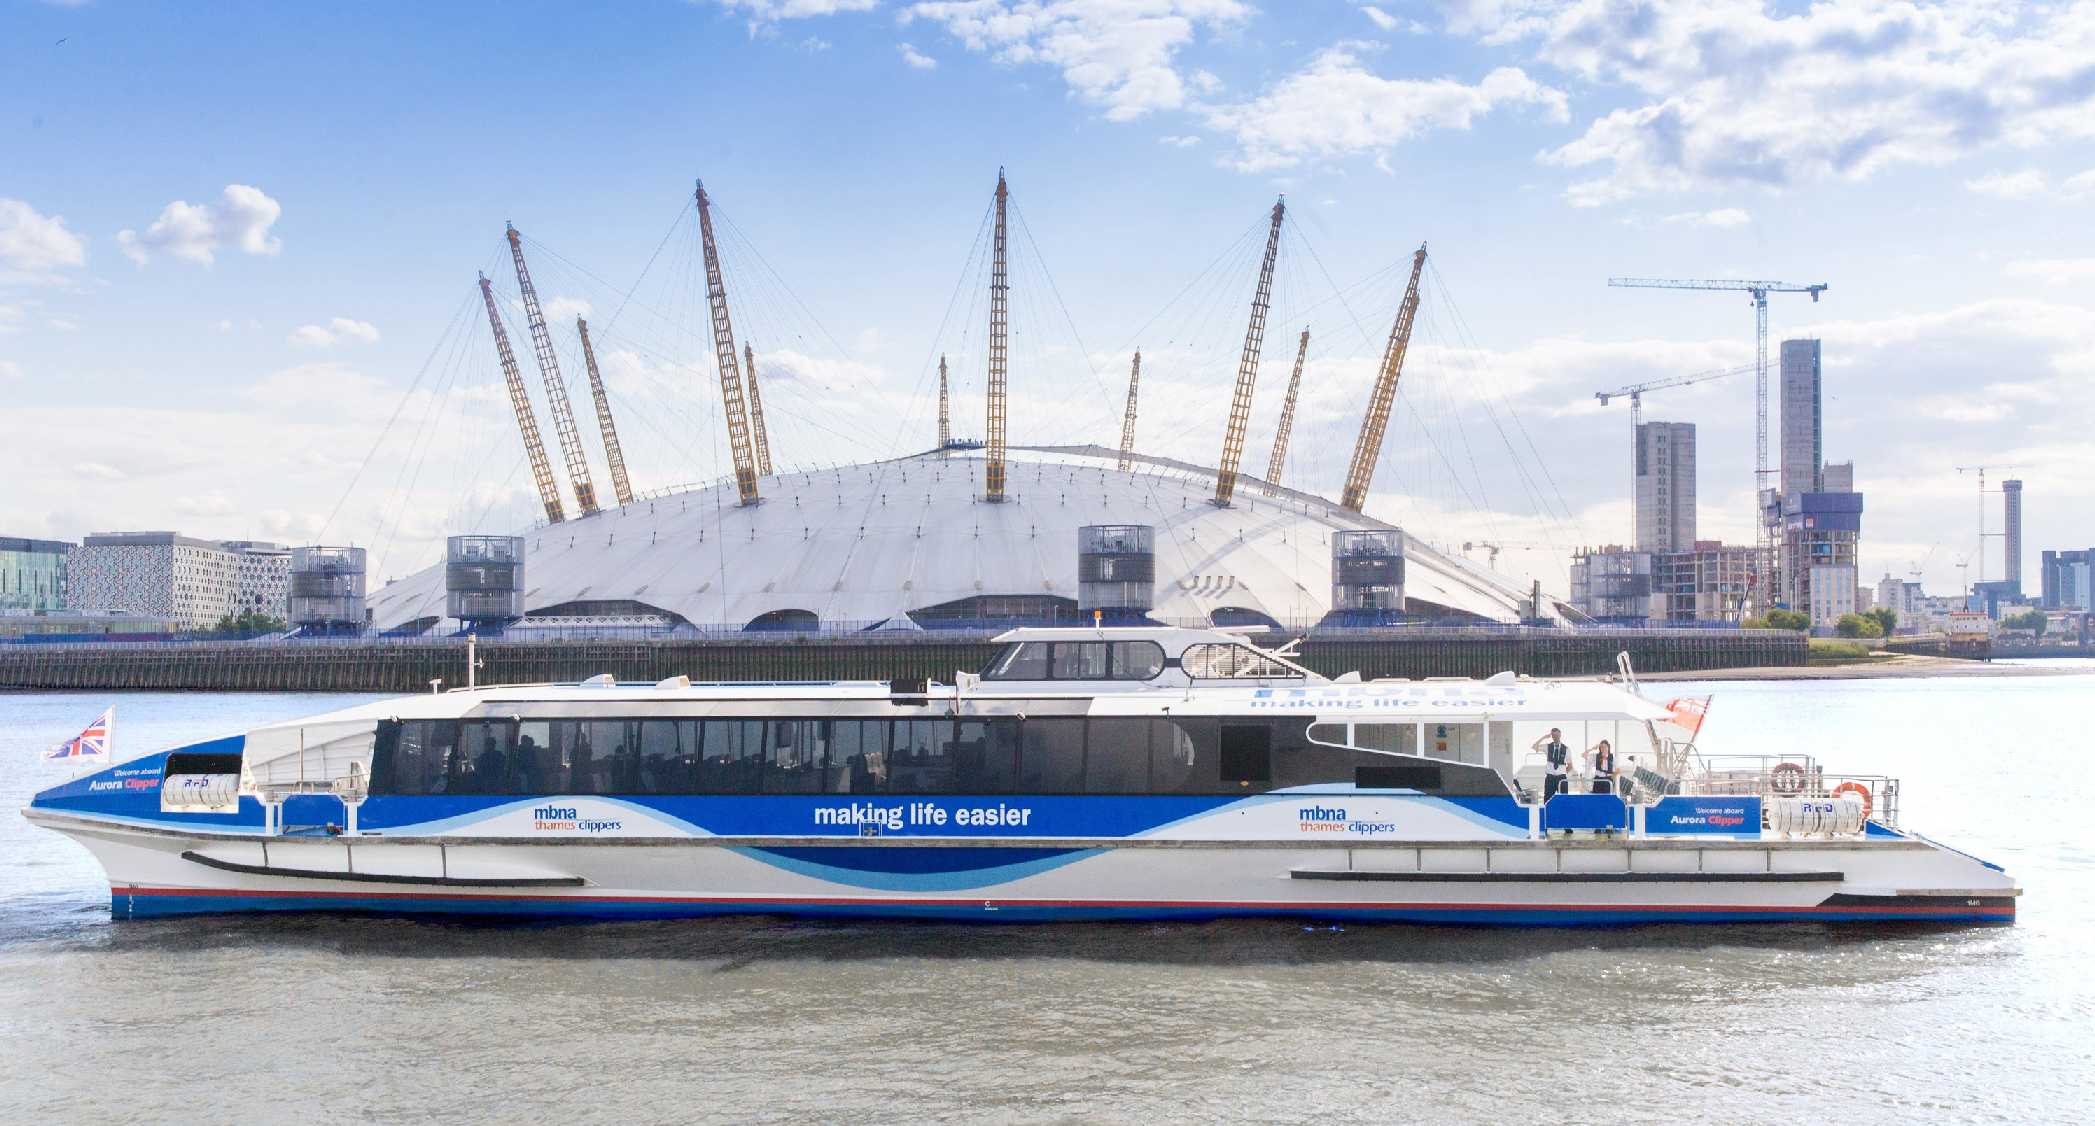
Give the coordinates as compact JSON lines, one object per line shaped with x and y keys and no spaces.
{"x":1084,"y":774}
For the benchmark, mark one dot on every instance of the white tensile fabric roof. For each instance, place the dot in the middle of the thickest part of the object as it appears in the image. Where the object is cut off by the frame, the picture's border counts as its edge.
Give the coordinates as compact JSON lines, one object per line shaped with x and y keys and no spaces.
{"x":865,"y":543}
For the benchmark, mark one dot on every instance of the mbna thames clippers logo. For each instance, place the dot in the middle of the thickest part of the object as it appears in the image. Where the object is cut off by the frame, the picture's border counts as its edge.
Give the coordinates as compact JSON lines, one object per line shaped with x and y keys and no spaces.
{"x":1335,"y":819}
{"x":568,"y":818}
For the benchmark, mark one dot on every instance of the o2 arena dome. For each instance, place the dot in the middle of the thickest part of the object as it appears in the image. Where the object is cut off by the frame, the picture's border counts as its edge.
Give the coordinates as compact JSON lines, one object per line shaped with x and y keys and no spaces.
{"x":912,"y":544}
{"x":966,"y":535}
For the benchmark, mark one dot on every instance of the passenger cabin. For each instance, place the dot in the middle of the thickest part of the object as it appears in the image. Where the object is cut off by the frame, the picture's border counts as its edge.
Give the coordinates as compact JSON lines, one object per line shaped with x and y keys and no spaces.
{"x":1116,"y":711}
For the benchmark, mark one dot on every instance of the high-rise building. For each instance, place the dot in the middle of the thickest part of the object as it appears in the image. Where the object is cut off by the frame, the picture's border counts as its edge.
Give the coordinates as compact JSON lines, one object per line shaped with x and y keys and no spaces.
{"x":1802,"y":448}
{"x":1838,"y":477}
{"x":2011,"y":536}
{"x":193,"y":581}
{"x":1612,"y":584}
{"x":1665,"y":486}
{"x":32,"y":573}
{"x":1708,"y":582}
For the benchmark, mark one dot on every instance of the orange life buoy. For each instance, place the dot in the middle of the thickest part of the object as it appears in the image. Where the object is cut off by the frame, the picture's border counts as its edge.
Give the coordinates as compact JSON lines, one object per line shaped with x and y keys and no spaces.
{"x":1786,"y":779}
{"x":1868,"y":801}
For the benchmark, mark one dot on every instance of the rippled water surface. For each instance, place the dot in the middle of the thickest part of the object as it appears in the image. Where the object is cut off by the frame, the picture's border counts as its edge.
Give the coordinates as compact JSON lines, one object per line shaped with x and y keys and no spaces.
{"x":267,"y":1019}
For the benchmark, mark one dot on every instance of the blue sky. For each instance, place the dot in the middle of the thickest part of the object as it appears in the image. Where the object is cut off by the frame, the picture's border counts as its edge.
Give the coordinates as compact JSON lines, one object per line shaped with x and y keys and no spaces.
{"x":309,"y":190}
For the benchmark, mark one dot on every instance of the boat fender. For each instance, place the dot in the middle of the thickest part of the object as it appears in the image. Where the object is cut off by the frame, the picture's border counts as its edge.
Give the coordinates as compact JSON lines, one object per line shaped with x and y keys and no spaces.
{"x":1786,"y":779}
{"x":1869,"y":803}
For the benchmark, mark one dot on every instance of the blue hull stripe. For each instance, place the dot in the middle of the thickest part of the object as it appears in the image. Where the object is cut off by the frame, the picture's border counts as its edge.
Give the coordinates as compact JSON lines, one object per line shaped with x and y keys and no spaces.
{"x":139,"y":903}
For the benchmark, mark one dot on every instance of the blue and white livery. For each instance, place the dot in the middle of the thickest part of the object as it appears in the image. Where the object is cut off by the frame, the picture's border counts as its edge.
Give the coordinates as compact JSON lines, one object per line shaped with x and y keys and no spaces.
{"x":1117,"y":773}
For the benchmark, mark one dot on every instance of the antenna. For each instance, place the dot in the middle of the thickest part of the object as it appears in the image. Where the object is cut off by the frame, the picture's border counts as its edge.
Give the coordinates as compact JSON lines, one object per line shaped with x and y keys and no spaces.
{"x":1247,"y":364}
{"x":999,"y":325}
{"x":526,"y":421}
{"x":724,"y":350}
{"x":619,"y":485}
{"x":1287,"y":419}
{"x":556,"y":387}
{"x":1368,"y":447}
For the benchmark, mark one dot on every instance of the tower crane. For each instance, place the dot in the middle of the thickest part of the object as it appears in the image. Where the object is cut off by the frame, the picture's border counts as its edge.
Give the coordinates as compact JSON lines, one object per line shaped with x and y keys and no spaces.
{"x":1287,"y":419}
{"x":1127,"y":423}
{"x":556,"y":387}
{"x":756,"y":413}
{"x":620,"y":486}
{"x":1247,"y":364}
{"x":724,"y":351}
{"x":520,"y":402}
{"x":1635,"y":393}
{"x":1765,"y":539}
{"x":999,"y":358}
{"x":1368,"y":447}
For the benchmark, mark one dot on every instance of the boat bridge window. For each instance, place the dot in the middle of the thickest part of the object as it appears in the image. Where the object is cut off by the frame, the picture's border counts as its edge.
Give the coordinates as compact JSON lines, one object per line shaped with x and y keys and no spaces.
{"x":1036,"y":755}
{"x":1214,"y":661}
{"x":1078,"y":660}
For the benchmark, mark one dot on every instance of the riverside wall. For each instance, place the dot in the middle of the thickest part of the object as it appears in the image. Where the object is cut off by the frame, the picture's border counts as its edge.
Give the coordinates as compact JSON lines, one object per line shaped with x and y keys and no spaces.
{"x":409,"y":665}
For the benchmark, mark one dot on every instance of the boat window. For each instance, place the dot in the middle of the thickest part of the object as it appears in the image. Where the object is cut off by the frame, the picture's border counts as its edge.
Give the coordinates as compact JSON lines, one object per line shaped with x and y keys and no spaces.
{"x":1080,"y":660}
{"x":732,"y":755}
{"x":1137,"y":660}
{"x":1247,"y":753}
{"x":1397,"y":738}
{"x":1214,"y":661}
{"x":1184,"y":756}
{"x":482,"y":765}
{"x":1116,"y":759}
{"x":414,"y":757}
{"x":985,"y":757}
{"x":1456,"y":742}
{"x":666,"y":759}
{"x":798,"y":756}
{"x":857,"y":756}
{"x":1051,"y":756}
{"x":1024,"y":661}
{"x":922,"y":759}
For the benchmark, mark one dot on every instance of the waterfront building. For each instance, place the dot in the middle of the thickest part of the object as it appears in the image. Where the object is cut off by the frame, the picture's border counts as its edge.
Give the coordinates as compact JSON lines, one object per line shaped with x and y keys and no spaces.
{"x":1902,"y":597}
{"x":1612,"y":584}
{"x":89,"y":624}
{"x":2066,"y":579}
{"x":1802,"y":434}
{"x":33,"y":573}
{"x":1665,"y":485}
{"x":194,"y":582}
{"x":1708,"y":582}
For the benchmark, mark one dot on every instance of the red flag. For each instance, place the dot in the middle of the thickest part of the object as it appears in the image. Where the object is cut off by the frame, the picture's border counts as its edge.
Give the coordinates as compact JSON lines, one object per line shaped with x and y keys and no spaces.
{"x":1689,"y":712}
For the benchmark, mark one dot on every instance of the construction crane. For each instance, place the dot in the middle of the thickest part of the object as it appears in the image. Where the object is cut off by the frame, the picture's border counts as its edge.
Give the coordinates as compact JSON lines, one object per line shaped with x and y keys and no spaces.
{"x":756,"y":413}
{"x":1127,"y":422}
{"x":724,"y":350}
{"x":520,"y":402}
{"x":945,"y":418}
{"x":1287,"y":419}
{"x":1368,"y":447}
{"x":999,"y":324}
{"x":1247,"y":364}
{"x":556,"y":387}
{"x":620,"y":486}
{"x":1983,"y":533}
{"x":1635,"y":393}
{"x":1763,"y":518}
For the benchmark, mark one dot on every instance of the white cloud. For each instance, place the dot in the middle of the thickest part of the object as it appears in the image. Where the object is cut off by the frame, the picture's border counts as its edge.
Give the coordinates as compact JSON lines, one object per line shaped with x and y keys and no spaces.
{"x":2009,"y":185}
{"x":1724,"y":93}
{"x":1122,"y":57}
{"x":917,"y":59}
{"x":561,"y":310}
{"x":10,"y":370}
{"x":1337,"y":107}
{"x":241,"y":218}
{"x":2056,"y":271}
{"x":763,"y":13}
{"x":1179,"y":142}
{"x":1721,"y":217}
{"x":34,"y":245}
{"x":2078,"y":185}
{"x":1380,"y":18}
{"x":340,"y":330}
{"x":61,"y":324}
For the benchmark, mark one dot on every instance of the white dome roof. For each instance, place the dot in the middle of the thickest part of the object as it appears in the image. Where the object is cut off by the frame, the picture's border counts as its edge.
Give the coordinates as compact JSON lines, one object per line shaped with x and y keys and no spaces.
{"x":860,"y":544}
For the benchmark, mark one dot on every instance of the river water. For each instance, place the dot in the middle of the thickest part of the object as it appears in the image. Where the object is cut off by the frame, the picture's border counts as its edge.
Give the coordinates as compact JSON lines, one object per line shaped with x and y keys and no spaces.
{"x":760,"y":1020}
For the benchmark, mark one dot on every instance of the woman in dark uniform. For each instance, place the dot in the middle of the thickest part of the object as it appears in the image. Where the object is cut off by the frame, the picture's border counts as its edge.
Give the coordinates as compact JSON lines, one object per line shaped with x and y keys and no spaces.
{"x":1601,"y":761}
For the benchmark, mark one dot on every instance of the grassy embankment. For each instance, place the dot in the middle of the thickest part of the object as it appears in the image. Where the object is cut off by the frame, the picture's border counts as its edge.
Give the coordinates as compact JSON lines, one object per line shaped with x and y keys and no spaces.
{"x":1842,"y":651}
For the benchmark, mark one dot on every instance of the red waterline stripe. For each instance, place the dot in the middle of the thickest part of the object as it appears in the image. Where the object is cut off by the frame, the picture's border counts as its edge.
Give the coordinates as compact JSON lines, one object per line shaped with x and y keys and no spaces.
{"x":865,"y":901}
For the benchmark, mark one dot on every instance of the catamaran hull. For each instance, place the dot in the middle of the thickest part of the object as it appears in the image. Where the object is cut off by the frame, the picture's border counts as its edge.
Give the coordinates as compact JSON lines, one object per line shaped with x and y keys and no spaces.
{"x":157,"y":872}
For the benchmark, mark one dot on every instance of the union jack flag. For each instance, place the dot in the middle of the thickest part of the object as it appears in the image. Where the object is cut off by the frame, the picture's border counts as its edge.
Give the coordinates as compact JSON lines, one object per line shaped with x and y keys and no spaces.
{"x":91,"y":743}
